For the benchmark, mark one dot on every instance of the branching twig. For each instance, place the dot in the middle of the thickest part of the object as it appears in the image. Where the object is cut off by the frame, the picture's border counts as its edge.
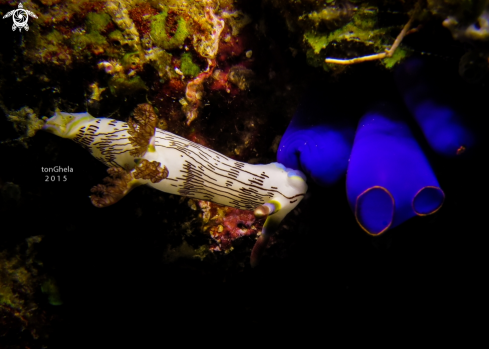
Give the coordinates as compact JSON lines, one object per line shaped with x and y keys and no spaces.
{"x":388,"y":52}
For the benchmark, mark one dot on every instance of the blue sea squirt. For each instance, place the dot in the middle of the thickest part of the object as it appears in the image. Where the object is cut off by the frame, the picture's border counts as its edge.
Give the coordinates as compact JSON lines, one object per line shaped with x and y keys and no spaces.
{"x":389,"y":179}
{"x":315,"y":141}
{"x":434,"y":111}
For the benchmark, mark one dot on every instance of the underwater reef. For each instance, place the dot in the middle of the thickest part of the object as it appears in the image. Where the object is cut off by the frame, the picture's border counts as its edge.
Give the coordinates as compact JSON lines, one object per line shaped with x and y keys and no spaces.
{"x":379,"y":103}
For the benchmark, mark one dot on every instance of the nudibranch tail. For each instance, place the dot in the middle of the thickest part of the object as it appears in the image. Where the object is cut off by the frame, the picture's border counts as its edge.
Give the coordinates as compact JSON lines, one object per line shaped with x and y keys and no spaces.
{"x":272,"y":211}
{"x":258,"y":250}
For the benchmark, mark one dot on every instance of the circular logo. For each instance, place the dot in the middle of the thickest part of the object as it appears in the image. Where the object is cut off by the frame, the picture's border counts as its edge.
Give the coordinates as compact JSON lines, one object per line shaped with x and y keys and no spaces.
{"x":20,"y":17}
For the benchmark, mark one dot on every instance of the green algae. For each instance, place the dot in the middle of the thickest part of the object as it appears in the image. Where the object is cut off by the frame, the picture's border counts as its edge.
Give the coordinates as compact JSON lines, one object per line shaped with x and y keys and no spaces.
{"x":397,"y":57}
{"x":361,"y":29}
{"x":54,"y":37}
{"x":122,"y":86}
{"x":116,"y":36}
{"x":188,"y":67}
{"x":50,"y":288}
{"x":160,"y":31}
{"x":97,"y":22}
{"x":130,"y":60}
{"x":80,"y":41}
{"x":161,"y":61}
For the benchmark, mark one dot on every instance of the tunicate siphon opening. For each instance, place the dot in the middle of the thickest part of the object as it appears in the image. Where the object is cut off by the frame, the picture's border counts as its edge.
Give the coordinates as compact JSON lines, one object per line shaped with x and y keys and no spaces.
{"x":374,"y":210}
{"x":428,"y":200}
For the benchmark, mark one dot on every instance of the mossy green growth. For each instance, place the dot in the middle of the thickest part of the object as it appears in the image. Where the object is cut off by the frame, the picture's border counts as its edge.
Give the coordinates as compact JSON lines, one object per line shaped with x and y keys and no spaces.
{"x":97,"y":21}
{"x":130,"y":60}
{"x":123,"y":86}
{"x":94,"y":23}
{"x":161,"y":61}
{"x":54,"y":37}
{"x":49,"y":48}
{"x":363,"y":28}
{"x":160,"y":33}
{"x":188,"y":67}
{"x":315,"y":60}
{"x":80,"y":41}
{"x":7,"y":297}
{"x":465,"y":10}
{"x":50,"y":288}
{"x":50,"y":42}
{"x":116,"y":35}
{"x":365,"y":18}
{"x":397,"y":57}
{"x":317,"y":41}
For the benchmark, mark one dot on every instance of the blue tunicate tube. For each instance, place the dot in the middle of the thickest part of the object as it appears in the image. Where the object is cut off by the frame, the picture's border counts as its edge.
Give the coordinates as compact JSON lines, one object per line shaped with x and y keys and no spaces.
{"x":316,"y":142}
{"x":433,"y":110}
{"x":389,"y":179}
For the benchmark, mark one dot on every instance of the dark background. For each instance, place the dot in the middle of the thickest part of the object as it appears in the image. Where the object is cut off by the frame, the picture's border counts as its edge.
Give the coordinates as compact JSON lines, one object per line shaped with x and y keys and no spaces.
{"x":109,"y":263}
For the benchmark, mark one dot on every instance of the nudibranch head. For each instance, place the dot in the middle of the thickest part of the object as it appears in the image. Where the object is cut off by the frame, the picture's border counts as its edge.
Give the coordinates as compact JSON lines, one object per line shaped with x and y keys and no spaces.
{"x":66,"y":124}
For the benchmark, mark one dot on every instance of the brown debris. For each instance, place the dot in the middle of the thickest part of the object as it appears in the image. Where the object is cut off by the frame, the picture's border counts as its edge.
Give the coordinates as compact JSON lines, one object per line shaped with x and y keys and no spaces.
{"x":142,"y":128}
{"x":115,"y":188}
{"x":241,"y":77}
{"x":151,"y":170}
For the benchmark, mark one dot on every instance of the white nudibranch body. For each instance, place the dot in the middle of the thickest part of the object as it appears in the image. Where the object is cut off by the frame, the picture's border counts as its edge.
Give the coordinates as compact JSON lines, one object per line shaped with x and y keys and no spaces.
{"x":193,"y":170}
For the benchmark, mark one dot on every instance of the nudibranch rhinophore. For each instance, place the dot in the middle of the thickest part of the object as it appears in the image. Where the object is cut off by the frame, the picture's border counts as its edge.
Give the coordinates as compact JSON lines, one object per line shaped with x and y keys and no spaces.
{"x":138,"y":153}
{"x":389,"y":179}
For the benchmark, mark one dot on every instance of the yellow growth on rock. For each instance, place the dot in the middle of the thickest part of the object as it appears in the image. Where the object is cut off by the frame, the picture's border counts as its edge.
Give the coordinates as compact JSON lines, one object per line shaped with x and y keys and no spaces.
{"x":118,"y":10}
{"x":26,"y":123}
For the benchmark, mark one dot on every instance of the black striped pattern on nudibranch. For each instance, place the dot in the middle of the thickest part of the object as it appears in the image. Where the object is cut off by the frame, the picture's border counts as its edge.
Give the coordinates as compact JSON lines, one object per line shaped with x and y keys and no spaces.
{"x":209,"y":175}
{"x":106,"y":147}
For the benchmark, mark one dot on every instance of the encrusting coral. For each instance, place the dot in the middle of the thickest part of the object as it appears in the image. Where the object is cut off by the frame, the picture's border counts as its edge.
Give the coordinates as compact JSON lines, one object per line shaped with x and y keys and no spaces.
{"x":22,"y":280}
{"x":225,"y":225}
{"x":162,"y":37}
{"x":179,"y":39}
{"x":467,"y":20}
{"x":26,"y":123}
{"x":119,"y":11}
{"x":344,"y":32}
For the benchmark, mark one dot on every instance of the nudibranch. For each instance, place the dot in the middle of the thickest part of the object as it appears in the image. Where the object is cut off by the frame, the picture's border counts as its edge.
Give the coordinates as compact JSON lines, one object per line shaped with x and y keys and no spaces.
{"x":389,"y":179}
{"x":138,"y":153}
